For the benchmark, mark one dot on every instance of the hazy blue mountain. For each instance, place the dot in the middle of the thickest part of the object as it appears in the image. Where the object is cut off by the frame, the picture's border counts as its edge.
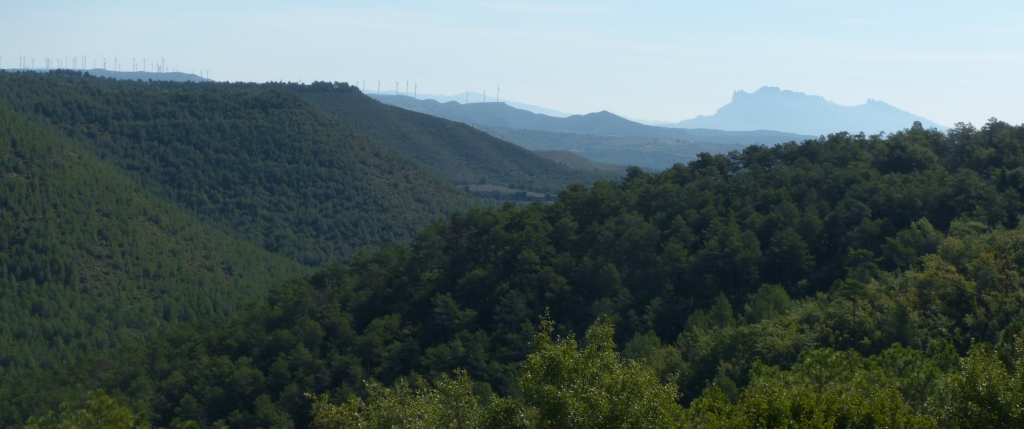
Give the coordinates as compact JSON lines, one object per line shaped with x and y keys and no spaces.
{"x":476,"y":97}
{"x":771,"y":108}
{"x":604,"y":123}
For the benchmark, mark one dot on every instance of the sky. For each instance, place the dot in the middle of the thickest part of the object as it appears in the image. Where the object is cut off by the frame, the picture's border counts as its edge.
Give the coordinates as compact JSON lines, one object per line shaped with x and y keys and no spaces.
{"x":947,"y":61}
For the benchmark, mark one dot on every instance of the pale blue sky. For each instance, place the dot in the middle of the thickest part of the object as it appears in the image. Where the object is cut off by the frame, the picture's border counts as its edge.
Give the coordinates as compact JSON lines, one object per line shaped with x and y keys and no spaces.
{"x":655,"y":60}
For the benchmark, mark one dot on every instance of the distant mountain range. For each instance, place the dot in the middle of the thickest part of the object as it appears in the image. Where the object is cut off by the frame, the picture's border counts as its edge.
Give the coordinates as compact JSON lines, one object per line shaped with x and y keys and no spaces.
{"x":771,"y":108}
{"x":603,"y":123}
{"x":601,"y":137}
{"x":476,"y":97}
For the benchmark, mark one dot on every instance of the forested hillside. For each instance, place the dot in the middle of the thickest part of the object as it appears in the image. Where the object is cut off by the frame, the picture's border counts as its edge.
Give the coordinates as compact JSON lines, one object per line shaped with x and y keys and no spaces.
{"x":265,"y":164}
{"x":128,"y":206}
{"x":849,"y":281}
{"x":89,"y":261}
{"x":456,"y":151}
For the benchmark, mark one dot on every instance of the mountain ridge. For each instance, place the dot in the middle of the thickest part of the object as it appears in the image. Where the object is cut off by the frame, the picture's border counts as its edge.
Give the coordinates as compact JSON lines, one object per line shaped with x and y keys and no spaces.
{"x":604,"y":123}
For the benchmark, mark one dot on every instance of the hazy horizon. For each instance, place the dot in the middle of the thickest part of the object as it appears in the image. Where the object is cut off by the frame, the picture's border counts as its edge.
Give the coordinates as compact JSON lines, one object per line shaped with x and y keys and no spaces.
{"x":651,"y":61}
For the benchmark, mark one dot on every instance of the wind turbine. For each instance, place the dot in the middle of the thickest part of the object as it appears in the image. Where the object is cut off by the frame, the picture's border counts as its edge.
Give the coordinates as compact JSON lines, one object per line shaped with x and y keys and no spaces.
{"x":143,"y":64}
{"x":396,"y":87}
{"x":498,"y":97}
{"x":378,"y":86}
{"x":414,"y":88}
{"x":407,"y":87}
{"x":485,"y":96}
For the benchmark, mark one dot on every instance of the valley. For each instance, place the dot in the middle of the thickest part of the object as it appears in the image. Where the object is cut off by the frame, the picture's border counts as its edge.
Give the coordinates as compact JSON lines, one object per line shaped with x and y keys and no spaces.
{"x":205,"y":254}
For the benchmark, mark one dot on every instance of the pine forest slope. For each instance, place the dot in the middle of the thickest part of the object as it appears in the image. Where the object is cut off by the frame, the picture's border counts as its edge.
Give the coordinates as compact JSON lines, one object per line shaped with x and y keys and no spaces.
{"x":722,"y":275}
{"x":90,"y":261}
{"x":460,"y":153}
{"x":265,"y":164}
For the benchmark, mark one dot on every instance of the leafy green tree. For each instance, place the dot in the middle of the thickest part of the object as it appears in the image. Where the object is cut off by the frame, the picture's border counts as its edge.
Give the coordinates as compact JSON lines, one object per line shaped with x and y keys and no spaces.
{"x":988,"y":390}
{"x":769,"y":301}
{"x":593,"y":387}
{"x":99,"y":412}
{"x":447,"y":403}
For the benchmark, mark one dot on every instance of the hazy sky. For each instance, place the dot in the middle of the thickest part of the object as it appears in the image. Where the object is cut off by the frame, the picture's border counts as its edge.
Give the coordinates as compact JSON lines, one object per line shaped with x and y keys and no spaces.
{"x":655,"y":60}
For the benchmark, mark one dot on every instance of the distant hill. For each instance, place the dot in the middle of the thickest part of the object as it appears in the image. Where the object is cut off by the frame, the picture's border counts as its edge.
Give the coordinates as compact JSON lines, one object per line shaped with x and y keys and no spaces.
{"x":771,"y":108}
{"x":127,"y":75}
{"x":577,"y":161}
{"x":649,"y":152}
{"x":456,"y":151}
{"x":144,"y":76}
{"x":599,"y":123}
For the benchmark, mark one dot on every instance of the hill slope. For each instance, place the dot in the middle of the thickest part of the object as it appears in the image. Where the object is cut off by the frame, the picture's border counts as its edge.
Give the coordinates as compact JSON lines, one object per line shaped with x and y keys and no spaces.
{"x":266,"y":164}
{"x":91,"y":261}
{"x":770,"y":108}
{"x":459,"y":153}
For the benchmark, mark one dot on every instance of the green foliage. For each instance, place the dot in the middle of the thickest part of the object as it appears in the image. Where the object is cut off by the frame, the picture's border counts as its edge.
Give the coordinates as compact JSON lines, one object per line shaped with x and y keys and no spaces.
{"x":90,"y":262}
{"x":813,"y":395}
{"x":447,"y":403}
{"x":99,"y":412}
{"x":593,"y":387}
{"x":988,"y":390}
{"x":562,"y":386}
{"x":768,"y":302}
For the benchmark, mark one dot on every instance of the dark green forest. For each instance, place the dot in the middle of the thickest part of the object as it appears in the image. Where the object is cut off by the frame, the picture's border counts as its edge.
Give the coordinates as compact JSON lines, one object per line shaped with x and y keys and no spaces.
{"x":90,"y":261}
{"x":849,"y":281}
{"x":131,"y":205}
{"x":263,"y":163}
